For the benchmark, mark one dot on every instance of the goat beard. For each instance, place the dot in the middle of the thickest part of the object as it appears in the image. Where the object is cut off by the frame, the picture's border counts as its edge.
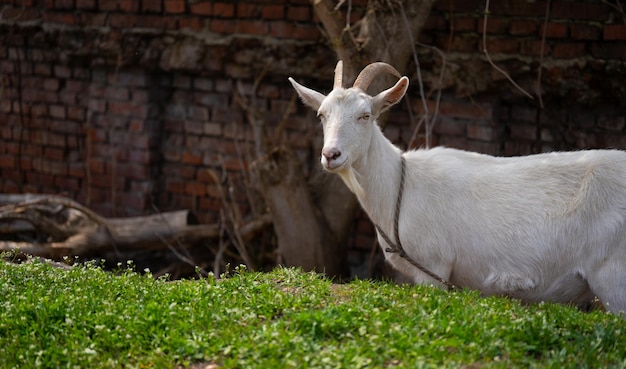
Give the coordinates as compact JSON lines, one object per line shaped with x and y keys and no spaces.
{"x":349,"y":177}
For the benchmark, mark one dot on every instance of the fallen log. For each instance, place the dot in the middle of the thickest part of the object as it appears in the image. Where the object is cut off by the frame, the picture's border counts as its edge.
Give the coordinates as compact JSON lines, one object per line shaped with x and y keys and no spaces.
{"x":55,"y":227}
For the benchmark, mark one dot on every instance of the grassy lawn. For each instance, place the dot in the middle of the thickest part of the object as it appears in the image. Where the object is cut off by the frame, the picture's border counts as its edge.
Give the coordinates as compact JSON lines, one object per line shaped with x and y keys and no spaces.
{"x":87,"y":318}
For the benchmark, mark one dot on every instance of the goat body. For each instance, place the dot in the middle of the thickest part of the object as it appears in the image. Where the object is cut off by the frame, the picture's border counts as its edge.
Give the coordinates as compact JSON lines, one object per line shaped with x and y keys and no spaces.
{"x":546,"y":227}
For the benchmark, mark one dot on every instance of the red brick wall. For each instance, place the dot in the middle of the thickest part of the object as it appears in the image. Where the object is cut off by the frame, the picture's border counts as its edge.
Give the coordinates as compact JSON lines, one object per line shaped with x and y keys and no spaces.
{"x":125,"y":104}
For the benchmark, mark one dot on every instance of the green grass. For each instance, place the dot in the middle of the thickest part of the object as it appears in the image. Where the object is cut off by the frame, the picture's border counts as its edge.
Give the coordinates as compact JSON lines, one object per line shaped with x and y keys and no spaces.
{"x":89,"y":318}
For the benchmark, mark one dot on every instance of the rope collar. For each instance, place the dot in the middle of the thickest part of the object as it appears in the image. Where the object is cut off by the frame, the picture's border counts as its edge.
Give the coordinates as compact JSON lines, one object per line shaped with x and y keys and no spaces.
{"x":397,"y":247}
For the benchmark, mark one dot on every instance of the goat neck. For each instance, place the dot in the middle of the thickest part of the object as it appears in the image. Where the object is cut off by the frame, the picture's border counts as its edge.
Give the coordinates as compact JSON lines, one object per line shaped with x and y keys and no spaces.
{"x":378,"y":173}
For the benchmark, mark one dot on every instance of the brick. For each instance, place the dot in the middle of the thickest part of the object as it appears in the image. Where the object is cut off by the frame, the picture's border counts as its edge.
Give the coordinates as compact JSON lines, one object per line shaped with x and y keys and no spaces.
{"x":212,"y":129}
{"x":7,"y":161}
{"x":299,"y":13}
{"x":123,"y":108}
{"x":222,"y":26}
{"x":281,"y":29}
{"x":494,"y":25}
{"x":198,"y":113}
{"x":174,"y":6}
{"x":612,"y":123}
{"x":128,"y":78}
{"x":193,"y":127}
{"x":252,"y":27}
{"x":533,"y":48}
{"x":107,"y":5}
{"x":568,"y":50}
{"x":130,"y":6}
{"x":205,"y":176}
{"x":54,"y":167}
{"x":523,"y":28}
{"x":134,"y":200}
{"x":449,"y":127}
{"x":76,"y":170}
{"x":52,"y":153}
{"x":272,"y":12}
{"x":57,"y":111}
{"x":581,"y":11}
{"x":191,"y":158}
{"x":67,"y":184}
{"x":152,"y":6}
{"x":468,"y":6}
{"x":62,"y":71}
{"x":51,"y":84}
{"x":132,"y":170}
{"x":86,"y":4}
{"x":608,"y":50}
{"x":38,"y":110}
{"x":65,"y":126}
{"x":463,"y":24}
{"x":195,"y":188}
{"x":458,"y":109}
{"x":480,"y":132}
{"x":97,"y":106}
{"x":42,"y":69}
{"x":184,"y":171}
{"x":192,"y":23}
{"x":460,"y":43}
{"x":60,"y":17}
{"x":518,"y":8}
{"x":116,"y":93}
{"x":225,"y":10}
{"x":436,"y":22}
{"x":74,"y":86}
{"x":76,"y":113}
{"x":523,"y":131}
{"x":139,"y":156}
{"x":122,"y":20}
{"x":306,"y":32}
{"x":583,"y":31}
{"x":614,"y":32}
{"x":203,"y":84}
{"x":524,"y":114}
{"x":202,"y":8}
{"x":554,"y":30}
{"x":182,"y":81}
{"x":247,"y":10}
{"x":503,"y":45}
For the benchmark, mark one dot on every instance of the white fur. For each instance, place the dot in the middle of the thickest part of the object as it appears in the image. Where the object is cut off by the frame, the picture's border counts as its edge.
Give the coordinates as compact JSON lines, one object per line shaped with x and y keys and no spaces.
{"x":547,"y":227}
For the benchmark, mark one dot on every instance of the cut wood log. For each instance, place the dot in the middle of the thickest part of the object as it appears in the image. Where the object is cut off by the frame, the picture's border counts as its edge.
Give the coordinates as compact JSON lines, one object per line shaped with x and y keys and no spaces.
{"x":55,"y":227}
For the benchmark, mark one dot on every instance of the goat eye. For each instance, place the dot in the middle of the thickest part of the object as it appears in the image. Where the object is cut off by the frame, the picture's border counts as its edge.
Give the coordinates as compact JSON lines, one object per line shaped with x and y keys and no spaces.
{"x":321,"y":117}
{"x":365,"y":117}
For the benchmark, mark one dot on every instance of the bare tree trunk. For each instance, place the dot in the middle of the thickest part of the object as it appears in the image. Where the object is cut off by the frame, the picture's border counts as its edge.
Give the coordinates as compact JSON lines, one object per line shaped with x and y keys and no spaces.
{"x":313,"y":220}
{"x":304,"y":237}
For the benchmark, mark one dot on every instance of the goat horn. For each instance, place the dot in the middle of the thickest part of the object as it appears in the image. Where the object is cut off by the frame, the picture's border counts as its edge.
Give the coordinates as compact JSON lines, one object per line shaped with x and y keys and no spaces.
{"x":370,"y":72}
{"x":338,"y":75}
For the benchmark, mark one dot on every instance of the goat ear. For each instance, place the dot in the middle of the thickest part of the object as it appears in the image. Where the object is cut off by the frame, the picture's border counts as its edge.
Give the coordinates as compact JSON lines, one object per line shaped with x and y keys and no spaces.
{"x":389,"y":97}
{"x":310,"y":97}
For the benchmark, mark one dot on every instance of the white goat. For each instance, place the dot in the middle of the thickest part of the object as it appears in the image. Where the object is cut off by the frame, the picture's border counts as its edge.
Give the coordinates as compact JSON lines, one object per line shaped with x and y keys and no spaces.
{"x":547,"y":227}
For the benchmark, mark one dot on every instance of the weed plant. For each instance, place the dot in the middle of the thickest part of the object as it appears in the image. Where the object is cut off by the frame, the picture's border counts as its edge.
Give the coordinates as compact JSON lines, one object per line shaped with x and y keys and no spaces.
{"x":85,"y":317}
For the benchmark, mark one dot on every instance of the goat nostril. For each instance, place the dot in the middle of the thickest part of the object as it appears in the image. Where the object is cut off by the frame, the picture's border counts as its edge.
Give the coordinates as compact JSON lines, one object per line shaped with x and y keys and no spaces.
{"x":331,"y":154}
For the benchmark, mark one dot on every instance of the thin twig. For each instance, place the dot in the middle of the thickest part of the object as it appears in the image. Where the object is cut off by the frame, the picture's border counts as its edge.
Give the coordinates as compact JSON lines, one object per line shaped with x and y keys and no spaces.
{"x":543,"y":44}
{"x":430,"y":125}
{"x":618,"y":7}
{"x":228,"y":206}
{"x":188,"y":258}
{"x":429,"y":122}
{"x":486,"y":15}
{"x":415,"y":60}
{"x":219,"y":255}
